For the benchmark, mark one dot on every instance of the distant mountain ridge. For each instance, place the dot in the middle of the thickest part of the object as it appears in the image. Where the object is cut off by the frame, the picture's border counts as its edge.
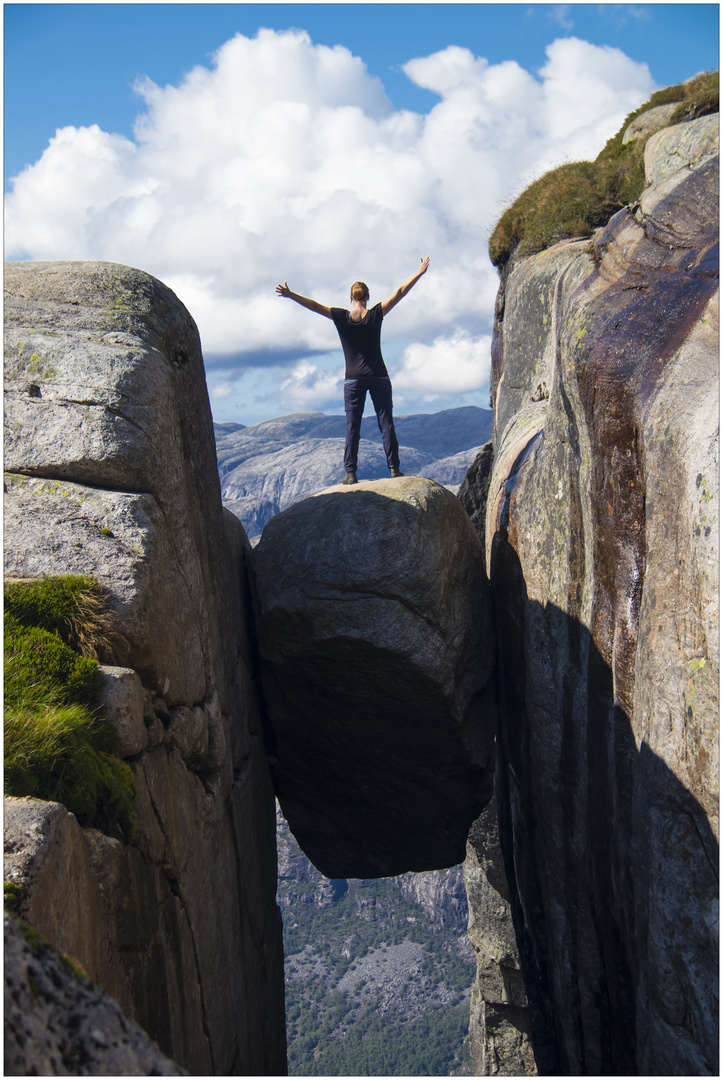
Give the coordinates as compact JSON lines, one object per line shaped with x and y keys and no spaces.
{"x":268,"y":466}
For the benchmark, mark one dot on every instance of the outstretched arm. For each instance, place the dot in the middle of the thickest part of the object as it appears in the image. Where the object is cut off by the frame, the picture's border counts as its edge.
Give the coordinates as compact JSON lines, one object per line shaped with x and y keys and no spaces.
{"x":404,"y":289}
{"x":320,"y":309}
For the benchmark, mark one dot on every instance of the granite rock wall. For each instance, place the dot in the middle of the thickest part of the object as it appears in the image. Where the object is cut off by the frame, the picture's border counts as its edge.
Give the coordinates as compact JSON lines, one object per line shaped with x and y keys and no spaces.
{"x":112,"y":472}
{"x":602,"y":549}
{"x":57,"y":1023}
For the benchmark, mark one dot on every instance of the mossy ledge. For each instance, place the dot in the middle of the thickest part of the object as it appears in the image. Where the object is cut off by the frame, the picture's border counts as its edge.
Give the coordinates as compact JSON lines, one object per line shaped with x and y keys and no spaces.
{"x":57,"y":745}
{"x":74,"y":607}
{"x":576,"y":198}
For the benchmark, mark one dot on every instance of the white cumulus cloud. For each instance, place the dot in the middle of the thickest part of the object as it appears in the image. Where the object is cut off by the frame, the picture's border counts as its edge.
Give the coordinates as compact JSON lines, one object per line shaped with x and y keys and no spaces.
{"x":457,"y":364}
{"x":309,"y":384}
{"x":285,"y":160}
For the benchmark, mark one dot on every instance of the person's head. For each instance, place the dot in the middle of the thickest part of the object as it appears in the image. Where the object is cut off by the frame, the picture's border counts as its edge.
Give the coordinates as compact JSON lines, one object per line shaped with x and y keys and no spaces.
{"x":359,"y":291}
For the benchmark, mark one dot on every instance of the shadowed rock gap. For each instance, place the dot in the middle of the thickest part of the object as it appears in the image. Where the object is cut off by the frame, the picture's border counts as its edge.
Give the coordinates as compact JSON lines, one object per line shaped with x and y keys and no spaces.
{"x":605,"y":895}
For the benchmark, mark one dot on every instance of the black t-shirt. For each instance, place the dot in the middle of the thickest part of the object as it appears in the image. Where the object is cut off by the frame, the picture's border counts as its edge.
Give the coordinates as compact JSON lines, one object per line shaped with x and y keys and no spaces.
{"x":361,"y":342}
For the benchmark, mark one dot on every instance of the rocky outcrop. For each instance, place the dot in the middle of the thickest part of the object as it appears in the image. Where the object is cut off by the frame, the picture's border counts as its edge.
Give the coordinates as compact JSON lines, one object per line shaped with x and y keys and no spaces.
{"x":649,"y":122}
{"x":441,"y":893}
{"x":602,"y":546}
{"x":57,"y":1023}
{"x":377,"y":651}
{"x":499,"y":1027}
{"x":109,"y":443}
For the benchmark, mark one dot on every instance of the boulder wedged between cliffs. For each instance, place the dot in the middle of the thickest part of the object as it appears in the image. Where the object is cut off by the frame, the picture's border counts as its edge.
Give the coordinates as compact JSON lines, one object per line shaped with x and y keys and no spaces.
{"x":377,"y":651}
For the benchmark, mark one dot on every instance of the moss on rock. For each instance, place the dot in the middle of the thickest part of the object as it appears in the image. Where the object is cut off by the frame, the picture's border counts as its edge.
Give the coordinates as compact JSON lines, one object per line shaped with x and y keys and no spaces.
{"x":13,"y":893}
{"x":576,"y":198}
{"x":72,"y":606}
{"x":57,"y":746}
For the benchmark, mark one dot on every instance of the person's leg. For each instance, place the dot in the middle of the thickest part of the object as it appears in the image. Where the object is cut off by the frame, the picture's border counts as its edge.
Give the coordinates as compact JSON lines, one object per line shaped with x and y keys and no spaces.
{"x":355,"y":393}
{"x":381,"y":395}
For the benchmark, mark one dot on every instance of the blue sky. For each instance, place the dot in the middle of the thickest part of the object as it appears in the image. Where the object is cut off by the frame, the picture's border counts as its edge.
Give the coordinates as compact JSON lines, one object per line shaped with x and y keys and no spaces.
{"x":345,"y":142}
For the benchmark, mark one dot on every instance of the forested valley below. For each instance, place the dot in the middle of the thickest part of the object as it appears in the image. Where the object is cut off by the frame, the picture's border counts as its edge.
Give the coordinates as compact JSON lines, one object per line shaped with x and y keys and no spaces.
{"x":378,"y":973}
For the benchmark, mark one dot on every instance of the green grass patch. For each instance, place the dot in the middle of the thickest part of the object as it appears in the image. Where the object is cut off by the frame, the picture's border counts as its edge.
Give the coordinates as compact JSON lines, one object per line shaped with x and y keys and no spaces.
{"x":42,"y":669}
{"x":576,"y":198}
{"x":73,"y":606}
{"x":65,"y":754}
{"x":57,"y":745}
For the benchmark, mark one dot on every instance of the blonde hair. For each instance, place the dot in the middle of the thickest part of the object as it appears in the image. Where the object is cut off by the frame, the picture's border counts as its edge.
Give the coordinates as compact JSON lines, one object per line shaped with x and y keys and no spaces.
{"x":359,"y":291}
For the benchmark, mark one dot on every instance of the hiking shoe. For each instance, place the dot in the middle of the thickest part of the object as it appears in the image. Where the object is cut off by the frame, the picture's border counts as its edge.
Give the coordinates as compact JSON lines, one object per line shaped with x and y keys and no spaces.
{"x":395,"y":472}
{"x":350,"y":478}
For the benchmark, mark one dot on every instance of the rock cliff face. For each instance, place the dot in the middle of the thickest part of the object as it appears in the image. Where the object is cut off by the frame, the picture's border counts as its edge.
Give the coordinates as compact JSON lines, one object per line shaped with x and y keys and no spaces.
{"x":377,"y":650}
{"x":112,"y":472}
{"x":441,"y":894}
{"x":602,"y":547}
{"x":57,"y":1023}
{"x":499,"y":1023}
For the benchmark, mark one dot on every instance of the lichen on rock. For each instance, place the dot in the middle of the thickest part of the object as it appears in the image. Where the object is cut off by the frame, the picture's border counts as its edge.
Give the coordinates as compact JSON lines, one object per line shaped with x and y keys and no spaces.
{"x":602,"y":542}
{"x":57,"y":1023}
{"x":112,"y":473}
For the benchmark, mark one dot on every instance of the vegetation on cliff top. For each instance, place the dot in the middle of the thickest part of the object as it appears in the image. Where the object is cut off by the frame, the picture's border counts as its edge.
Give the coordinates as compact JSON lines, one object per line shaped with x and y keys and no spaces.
{"x":580,"y":196}
{"x":74,"y":607}
{"x":57,"y":745}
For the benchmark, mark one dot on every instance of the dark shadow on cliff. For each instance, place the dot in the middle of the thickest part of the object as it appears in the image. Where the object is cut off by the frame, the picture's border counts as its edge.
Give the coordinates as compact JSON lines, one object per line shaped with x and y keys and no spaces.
{"x":611,"y":861}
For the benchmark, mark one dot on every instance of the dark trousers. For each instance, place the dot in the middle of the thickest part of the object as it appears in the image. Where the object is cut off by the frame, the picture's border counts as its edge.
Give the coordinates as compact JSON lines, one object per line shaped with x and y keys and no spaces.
{"x":355,"y":393}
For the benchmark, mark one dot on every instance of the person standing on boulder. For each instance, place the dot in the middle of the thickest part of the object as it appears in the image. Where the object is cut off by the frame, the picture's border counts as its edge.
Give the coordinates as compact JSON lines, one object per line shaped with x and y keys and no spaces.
{"x":360,"y":332}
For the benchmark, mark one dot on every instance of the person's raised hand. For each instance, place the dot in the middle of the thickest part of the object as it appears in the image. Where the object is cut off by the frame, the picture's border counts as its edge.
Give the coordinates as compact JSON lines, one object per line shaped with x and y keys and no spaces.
{"x":424,"y":263}
{"x":283,"y":290}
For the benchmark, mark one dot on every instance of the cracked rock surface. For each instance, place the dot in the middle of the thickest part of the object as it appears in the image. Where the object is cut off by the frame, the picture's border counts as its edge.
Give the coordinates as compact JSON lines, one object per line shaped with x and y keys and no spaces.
{"x":105,"y":400}
{"x":602,"y":532}
{"x":499,"y":1029}
{"x":112,"y":472}
{"x":377,"y":652}
{"x":58,"y":1023}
